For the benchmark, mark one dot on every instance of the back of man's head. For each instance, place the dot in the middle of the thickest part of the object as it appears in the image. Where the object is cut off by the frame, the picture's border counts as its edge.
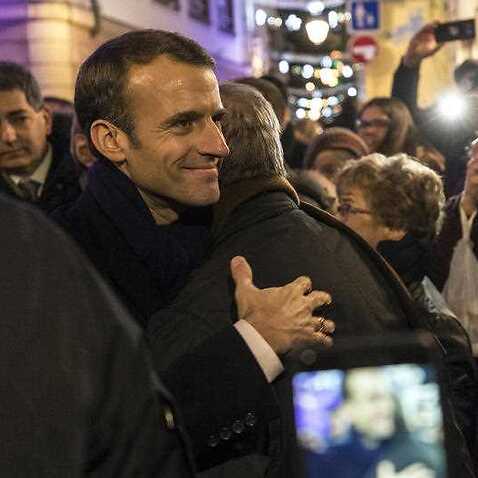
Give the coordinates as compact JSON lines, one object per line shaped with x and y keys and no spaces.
{"x":252,"y":132}
{"x":271,"y":93}
{"x":101,"y":90}
{"x":16,"y":77}
{"x":466,"y":75}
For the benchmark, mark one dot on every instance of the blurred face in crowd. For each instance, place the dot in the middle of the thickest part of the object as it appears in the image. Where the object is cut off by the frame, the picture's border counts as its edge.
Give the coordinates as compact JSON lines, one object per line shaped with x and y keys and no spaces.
{"x":355,"y":212}
{"x":329,"y":162}
{"x":23,"y":133}
{"x":80,"y":150}
{"x":373,"y":127}
{"x":178,"y":145}
{"x":370,"y":405}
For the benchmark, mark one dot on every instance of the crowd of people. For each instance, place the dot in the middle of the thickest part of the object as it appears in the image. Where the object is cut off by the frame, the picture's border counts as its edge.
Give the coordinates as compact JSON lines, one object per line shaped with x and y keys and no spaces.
{"x":202,"y":238}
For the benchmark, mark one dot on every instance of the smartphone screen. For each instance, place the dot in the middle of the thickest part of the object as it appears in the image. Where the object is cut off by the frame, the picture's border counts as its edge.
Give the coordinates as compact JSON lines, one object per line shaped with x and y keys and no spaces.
{"x":370,"y":422}
{"x":451,"y":31}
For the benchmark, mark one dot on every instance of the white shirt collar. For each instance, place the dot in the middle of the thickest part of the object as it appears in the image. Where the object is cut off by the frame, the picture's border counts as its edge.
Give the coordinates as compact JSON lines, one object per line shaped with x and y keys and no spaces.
{"x":41,"y":172}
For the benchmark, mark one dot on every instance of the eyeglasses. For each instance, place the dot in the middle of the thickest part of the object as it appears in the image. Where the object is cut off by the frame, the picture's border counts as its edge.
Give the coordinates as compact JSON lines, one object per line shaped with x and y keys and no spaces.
{"x":346,"y":209}
{"x":375,"y":123}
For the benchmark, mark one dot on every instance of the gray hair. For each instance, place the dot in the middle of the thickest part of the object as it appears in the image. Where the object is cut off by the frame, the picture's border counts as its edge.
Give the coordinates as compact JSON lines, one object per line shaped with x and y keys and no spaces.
{"x":401,"y":192}
{"x":252,"y":132}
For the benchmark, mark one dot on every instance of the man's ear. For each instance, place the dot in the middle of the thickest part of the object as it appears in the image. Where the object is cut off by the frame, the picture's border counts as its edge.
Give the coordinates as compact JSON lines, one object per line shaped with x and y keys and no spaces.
{"x":110,"y":141}
{"x":47,"y":118}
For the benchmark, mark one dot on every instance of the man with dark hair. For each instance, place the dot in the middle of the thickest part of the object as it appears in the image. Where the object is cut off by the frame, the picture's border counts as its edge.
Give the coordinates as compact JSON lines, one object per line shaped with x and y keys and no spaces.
{"x":259,"y":217}
{"x":31,"y":167}
{"x":150,"y":103}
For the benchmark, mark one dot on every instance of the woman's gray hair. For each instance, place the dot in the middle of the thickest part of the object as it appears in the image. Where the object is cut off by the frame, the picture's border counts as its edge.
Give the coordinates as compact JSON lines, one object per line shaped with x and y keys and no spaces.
{"x":252,"y":132}
{"x":401,"y":192}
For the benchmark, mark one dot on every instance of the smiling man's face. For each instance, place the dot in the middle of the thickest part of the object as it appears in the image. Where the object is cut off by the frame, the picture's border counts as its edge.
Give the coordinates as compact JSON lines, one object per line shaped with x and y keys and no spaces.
{"x":23,"y":133}
{"x":176,"y":111}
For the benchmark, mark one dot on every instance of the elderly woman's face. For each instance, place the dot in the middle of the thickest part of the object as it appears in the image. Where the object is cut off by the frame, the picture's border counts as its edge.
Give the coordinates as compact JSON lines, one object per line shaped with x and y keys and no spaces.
{"x":373,"y":127}
{"x":355,"y":212}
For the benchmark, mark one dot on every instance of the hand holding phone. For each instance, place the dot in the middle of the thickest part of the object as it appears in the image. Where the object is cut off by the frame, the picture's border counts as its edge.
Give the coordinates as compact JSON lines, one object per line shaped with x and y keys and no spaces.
{"x":459,"y":30}
{"x":422,"y":45}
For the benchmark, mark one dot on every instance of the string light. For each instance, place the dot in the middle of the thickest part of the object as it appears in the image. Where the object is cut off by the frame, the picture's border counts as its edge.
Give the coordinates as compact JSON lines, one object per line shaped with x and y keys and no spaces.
{"x":326,"y":62}
{"x":317,"y":31}
{"x":307,"y":71}
{"x":275,"y":22}
{"x":333,"y":19}
{"x":333,"y":101}
{"x":293,"y":23}
{"x":284,"y":67}
{"x":320,"y":87}
{"x":316,"y":8}
{"x":310,"y":86}
{"x":261,"y":17}
{"x":347,"y":71}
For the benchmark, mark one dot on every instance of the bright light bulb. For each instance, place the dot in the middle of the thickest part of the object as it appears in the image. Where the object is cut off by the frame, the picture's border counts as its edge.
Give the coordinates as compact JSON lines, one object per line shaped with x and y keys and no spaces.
{"x":261,"y":17}
{"x":352,"y":91}
{"x":317,"y":31}
{"x":316,"y":8}
{"x":309,"y":86}
{"x":300,"y":113}
{"x":284,"y":66}
{"x":275,"y":22}
{"x":333,"y":100}
{"x":347,"y":71}
{"x":333,"y":19}
{"x":329,"y":77}
{"x":326,"y":62}
{"x":316,"y":104}
{"x":307,"y":71}
{"x":293,"y":23}
{"x":303,"y":102}
{"x":452,"y":106}
{"x":314,"y":115}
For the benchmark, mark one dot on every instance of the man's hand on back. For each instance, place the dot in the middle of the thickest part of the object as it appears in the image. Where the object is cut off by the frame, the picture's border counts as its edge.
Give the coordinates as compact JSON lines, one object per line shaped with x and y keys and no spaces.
{"x":282,"y":315}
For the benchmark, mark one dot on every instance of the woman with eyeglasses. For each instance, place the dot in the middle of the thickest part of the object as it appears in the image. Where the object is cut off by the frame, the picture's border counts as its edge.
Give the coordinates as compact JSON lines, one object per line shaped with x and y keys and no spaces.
{"x":395,"y":204}
{"x":387,"y":127}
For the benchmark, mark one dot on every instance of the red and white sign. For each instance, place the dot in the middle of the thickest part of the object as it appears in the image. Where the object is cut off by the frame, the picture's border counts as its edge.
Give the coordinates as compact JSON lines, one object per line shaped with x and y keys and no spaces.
{"x":363,"y":48}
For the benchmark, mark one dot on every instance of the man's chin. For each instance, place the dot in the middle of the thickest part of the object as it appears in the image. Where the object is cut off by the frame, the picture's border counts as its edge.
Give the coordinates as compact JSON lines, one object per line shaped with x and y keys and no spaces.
{"x":204,"y":200}
{"x":19,"y":166}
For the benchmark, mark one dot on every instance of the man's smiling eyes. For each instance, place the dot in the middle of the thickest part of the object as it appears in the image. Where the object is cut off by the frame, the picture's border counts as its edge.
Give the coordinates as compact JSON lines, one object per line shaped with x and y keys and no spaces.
{"x":186,"y":121}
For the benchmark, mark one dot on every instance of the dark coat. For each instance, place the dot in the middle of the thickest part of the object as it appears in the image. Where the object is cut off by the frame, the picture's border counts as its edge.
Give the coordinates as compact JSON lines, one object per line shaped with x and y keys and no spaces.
{"x":145,"y":263}
{"x":61,"y":186}
{"x":262,"y":221}
{"x":450,"y":138}
{"x":410,"y":258}
{"x":78,"y":395}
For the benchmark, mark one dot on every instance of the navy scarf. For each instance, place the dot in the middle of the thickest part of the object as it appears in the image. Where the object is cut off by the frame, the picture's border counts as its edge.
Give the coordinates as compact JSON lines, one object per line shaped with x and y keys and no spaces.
{"x":170,"y":252}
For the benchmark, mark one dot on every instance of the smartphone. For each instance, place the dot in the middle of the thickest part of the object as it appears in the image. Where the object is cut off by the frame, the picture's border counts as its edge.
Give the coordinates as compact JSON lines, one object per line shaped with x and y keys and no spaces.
{"x":370,"y":409}
{"x":451,"y":31}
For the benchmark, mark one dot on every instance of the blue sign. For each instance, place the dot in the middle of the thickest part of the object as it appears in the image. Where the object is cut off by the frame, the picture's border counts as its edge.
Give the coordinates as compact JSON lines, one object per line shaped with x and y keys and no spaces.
{"x":365,"y":15}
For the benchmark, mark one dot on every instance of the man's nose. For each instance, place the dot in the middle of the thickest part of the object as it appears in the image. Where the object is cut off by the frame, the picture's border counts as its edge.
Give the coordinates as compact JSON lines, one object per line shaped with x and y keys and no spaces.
{"x":213,"y":142}
{"x":7,"y":132}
